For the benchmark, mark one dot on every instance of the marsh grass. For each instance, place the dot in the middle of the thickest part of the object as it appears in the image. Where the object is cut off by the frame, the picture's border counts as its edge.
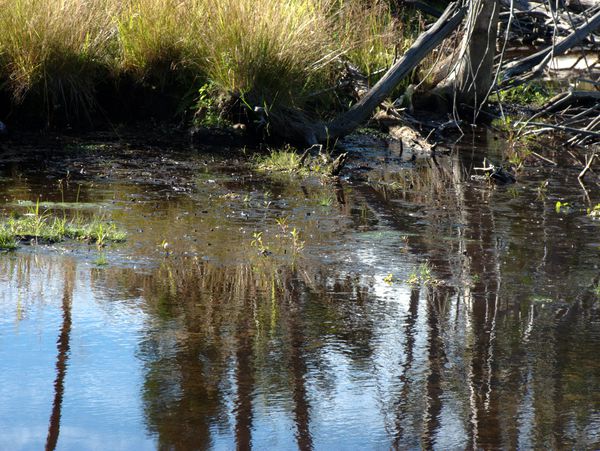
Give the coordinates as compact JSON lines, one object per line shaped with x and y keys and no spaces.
{"x":56,"y":53}
{"x":56,"y":50}
{"x":7,"y":240}
{"x":41,"y":227}
{"x":287,"y":161}
{"x":279,"y":160}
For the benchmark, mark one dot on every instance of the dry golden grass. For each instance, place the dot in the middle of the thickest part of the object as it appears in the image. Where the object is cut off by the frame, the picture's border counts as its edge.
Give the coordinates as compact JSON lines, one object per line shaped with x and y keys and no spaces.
{"x":266,"y":50}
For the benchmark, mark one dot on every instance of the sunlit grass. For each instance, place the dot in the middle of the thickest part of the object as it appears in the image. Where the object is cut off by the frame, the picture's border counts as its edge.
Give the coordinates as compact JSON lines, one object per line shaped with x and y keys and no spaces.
{"x":279,"y":160}
{"x":42,"y":227}
{"x":7,"y":240}
{"x":287,"y":160}
{"x":267,"y":52}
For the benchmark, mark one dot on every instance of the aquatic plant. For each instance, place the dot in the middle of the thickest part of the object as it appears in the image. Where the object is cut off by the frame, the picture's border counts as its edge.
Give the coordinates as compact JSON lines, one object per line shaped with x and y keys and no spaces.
{"x":40,"y":226}
{"x":535,"y":93}
{"x":594,"y":212}
{"x":542,"y":190}
{"x":297,"y":243}
{"x":101,"y":260}
{"x":7,"y":240}
{"x":279,"y":160}
{"x":562,"y":207}
{"x":288,"y":160}
{"x":283,"y":223}
{"x":423,"y":274}
{"x":257,"y":242}
{"x":326,"y":201}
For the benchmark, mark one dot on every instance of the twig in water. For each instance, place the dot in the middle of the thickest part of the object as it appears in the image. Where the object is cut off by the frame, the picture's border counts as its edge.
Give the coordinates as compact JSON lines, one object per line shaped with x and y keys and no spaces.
{"x":587,"y":166}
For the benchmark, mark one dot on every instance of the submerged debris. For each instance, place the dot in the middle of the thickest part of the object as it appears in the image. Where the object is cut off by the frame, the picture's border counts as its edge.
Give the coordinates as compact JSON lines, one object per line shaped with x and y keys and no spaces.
{"x":497,"y":173}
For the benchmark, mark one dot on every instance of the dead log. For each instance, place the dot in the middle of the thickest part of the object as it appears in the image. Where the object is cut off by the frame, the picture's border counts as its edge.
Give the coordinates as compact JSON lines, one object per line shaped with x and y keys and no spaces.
{"x":561,"y":127}
{"x":361,"y":111}
{"x":293,"y":125}
{"x":566,"y":98}
{"x":561,"y":47}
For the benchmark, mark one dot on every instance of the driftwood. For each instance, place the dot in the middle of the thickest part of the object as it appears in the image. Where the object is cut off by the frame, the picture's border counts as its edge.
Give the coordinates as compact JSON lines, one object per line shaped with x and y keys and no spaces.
{"x":545,"y":21}
{"x":540,"y":59}
{"x":293,"y":125}
{"x":574,"y":112}
{"x":567,"y":98}
{"x":532,"y":20}
{"x":563,"y":128}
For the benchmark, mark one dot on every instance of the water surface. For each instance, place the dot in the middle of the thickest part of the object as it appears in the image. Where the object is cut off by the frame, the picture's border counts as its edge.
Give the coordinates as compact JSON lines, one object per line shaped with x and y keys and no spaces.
{"x":417,"y":307}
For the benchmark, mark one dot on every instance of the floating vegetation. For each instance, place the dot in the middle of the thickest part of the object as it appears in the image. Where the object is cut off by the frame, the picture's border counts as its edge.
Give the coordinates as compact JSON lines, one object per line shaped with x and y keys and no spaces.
{"x":562,"y":207}
{"x":288,"y":160}
{"x":594,"y":212}
{"x":288,"y":242}
{"x":36,"y":227}
{"x":46,"y":205}
{"x":101,"y":260}
{"x":7,"y":240}
{"x":421,"y":275}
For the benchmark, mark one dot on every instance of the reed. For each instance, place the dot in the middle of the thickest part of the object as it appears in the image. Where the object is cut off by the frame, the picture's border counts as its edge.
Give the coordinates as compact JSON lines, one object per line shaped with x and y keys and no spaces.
{"x":58,"y":52}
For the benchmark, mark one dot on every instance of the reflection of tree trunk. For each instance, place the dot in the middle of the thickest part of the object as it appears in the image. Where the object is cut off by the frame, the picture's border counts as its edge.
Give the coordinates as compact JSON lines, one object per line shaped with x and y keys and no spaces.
{"x":299,"y":371}
{"x":484,"y":403}
{"x":245,"y":385}
{"x":436,"y":357}
{"x":61,"y":359}
{"x":409,"y":345}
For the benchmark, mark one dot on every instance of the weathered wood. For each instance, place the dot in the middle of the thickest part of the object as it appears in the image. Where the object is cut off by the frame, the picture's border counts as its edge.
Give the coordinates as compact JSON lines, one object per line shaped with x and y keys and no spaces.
{"x":561,"y":47}
{"x":560,"y":127}
{"x":294,"y":125}
{"x":474,"y":76}
{"x":362,"y":110}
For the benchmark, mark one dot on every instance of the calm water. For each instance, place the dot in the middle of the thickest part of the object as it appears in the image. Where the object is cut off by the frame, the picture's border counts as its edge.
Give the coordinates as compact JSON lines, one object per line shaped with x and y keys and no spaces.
{"x":416,"y":307}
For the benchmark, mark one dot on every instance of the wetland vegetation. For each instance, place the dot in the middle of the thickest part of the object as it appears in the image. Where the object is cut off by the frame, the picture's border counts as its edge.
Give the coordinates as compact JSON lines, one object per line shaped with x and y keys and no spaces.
{"x":272,"y":280}
{"x":44,"y":227}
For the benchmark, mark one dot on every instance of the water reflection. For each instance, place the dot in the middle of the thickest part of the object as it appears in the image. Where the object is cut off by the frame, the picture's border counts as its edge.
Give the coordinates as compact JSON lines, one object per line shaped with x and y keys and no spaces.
{"x":217,"y":346}
{"x":62,"y":357}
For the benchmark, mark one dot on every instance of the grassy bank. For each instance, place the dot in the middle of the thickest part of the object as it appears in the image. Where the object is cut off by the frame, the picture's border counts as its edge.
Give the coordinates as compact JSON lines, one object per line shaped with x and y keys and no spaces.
{"x":68,"y":59}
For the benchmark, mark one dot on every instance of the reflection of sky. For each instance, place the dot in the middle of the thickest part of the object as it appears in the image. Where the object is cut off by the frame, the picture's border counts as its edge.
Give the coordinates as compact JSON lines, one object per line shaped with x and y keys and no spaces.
{"x":101,"y":404}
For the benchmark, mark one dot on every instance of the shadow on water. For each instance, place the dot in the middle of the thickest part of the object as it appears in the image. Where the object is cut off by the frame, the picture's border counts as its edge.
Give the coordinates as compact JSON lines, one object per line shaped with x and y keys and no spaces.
{"x":415,"y":307}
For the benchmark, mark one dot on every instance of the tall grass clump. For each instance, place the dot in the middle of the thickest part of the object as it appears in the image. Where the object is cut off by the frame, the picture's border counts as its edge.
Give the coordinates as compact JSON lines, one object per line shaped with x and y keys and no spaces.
{"x":156,"y":39}
{"x":370,"y":35}
{"x":266,"y":50}
{"x":57,"y":53}
{"x":55,"y":50}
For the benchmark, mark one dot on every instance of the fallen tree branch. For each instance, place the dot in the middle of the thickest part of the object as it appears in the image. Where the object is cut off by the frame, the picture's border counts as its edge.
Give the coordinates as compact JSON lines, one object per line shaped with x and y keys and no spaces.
{"x":361,"y":111}
{"x":295,"y":126}
{"x":561,"y":47}
{"x":560,"y":127}
{"x":587,"y":166}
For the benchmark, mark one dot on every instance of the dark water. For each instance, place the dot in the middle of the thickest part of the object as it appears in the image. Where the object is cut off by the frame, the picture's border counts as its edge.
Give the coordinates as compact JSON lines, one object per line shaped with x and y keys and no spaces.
{"x":416,"y":308}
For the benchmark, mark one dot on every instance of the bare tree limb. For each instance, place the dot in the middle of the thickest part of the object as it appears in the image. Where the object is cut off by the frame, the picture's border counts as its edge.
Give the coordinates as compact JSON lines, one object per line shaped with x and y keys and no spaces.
{"x":295,"y":126}
{"x":561,"y":47}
